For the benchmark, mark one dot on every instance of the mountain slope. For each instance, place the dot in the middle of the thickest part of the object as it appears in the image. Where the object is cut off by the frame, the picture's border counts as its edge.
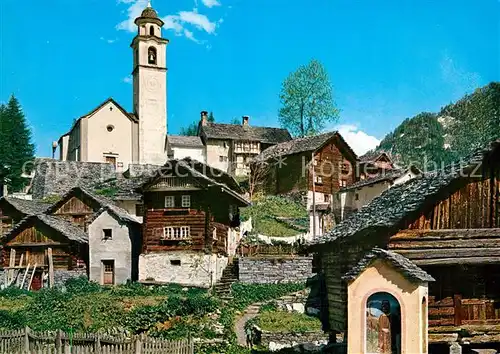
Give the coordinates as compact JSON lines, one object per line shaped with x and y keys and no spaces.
{"x":429,"y":140}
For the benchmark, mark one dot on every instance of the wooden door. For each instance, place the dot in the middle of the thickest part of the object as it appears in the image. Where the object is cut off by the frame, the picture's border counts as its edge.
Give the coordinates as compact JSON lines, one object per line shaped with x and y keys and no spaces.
{"x":37,"y":282}
{"x":108,"y":272}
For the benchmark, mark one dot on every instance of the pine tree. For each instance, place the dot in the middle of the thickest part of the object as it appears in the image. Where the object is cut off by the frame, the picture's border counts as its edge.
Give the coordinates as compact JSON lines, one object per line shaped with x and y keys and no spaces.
{"x":16,"y":148}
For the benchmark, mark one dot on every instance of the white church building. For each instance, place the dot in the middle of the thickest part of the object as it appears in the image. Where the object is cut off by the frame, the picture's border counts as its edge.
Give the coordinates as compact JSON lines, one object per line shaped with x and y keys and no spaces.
{"x":109,"y":133}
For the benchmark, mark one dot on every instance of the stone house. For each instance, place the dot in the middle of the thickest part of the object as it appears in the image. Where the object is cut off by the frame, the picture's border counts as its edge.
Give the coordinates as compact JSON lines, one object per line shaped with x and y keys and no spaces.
{"x":446,"y":223}
{"x":363,"y":191}
{"x":288,"y":170}
{"x":179,"y":147}
{"x":231,"y":147}
{"x":190,"y":227}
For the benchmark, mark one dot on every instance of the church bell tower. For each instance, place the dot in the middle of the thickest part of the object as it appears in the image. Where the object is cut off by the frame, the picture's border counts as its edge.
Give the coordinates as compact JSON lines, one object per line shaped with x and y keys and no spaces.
{"x":150,"y":87}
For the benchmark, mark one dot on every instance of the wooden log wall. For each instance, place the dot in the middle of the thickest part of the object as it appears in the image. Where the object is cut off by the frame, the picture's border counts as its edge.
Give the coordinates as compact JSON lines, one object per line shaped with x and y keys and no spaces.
{"x":155,"y":220}
{"x":220,"y":244}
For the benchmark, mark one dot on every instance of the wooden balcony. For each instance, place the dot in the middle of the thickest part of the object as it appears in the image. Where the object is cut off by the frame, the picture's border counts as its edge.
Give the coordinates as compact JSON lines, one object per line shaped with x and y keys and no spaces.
{"x":173,"y":183}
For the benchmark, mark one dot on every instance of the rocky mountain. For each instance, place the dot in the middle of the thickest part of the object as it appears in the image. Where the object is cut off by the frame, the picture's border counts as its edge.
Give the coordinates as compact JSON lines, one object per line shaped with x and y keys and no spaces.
{"x":430,"y":140}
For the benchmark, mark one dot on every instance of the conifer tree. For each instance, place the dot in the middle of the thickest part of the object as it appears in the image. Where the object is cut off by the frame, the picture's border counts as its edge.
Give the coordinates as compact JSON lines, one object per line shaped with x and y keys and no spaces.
{"x":16,"y":147}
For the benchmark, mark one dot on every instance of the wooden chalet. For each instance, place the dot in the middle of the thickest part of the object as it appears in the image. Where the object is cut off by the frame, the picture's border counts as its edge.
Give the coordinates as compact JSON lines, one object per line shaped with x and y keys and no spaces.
{"x":288,"y":170}
{"x":191,"y":211}
{"x":373,"y":164}
{"x":448,"y":224}
{"x":13,"y":210}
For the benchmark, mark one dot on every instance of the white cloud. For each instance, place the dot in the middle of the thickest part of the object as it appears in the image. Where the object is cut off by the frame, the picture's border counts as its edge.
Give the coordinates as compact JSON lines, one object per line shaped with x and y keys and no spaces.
{"x":198,"y":20}
{"x":109,"y":41}
{"x":210,"y":3}
{"x":175,"y":22}
{"x":134,"y":11}
{"x":127,"y":79}
{"x":359,"y":141}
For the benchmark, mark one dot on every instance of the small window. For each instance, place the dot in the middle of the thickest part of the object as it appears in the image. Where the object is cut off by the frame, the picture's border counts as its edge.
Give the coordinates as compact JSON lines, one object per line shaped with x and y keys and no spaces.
{"x":107,"y":234}
{"x":319,"y":180}
{"x":214,"y":234}
{"x":327,"y":198}
{"x":175,"y":262}
{"x":343,"y":183}
{"x":186,"y":201}
{"x":151,"y":31}
{"x":110,"y":128}
{"x":139,"y":209}
{"x":169,"y":201}
{"x":356,"y":197}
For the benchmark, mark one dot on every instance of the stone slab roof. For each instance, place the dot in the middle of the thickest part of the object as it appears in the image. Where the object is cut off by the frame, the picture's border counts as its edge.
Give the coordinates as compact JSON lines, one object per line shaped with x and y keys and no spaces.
{"x":27,"y":207}
{"x":408,"y":269}
{"x":65,"y":228}
{"x":389,"y":210}
{"x":389,"y":175}
{"x":306,"y":144}
{"x":211,"y":176}
{"x":103,"y":202}
{"x":267,"y":135}
{"x":185,"y":141}
{"x":374,"y":155}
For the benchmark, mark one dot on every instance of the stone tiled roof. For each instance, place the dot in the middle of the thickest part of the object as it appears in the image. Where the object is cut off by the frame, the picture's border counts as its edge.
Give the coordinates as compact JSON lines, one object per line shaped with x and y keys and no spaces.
{"x":407,"y":268}
{"x":103,"y":202}
{"x":185,"y":141}
{"x":373,"y":155}
{"x":295,"y":146}
{"x":210,"y":176}
{"x":149,"y":12}
{"x":27,"y":207}
{"x":389,"y":210}
{"x":389,"y":175}
{"x":66,"y":228}
{"x":265,"y":135}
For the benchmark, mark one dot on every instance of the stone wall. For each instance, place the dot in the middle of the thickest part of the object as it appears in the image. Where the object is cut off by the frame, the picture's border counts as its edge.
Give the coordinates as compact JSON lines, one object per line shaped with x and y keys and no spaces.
{"x":57,"y":177}
{"x":307,"y":341}
{"x":181,"y":267}
{"x":266,"y":270}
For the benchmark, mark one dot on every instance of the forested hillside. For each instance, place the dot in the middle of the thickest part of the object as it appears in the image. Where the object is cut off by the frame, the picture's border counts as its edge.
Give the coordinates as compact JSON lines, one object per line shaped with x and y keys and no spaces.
{"x":430,"y":139}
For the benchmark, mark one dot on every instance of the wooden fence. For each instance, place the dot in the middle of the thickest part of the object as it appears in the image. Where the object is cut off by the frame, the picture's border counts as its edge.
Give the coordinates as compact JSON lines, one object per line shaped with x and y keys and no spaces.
{"x":27,"y":341}
{"x":266,"y":250}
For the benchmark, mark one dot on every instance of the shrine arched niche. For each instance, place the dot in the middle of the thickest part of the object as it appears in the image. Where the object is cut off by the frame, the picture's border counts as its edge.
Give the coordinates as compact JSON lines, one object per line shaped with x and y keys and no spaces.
{"x":383,"y":324}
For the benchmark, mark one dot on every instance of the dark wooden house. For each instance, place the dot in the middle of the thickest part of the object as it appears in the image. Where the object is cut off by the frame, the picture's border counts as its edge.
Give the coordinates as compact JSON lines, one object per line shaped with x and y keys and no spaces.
{"x":190,"y":221}
{"x":41,"y":242}
{"x":447,"y":223}
{"x":289,"y":170}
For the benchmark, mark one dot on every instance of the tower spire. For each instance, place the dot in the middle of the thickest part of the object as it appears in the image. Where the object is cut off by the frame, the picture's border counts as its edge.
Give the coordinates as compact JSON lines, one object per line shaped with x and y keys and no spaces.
{"x":149,"y":4}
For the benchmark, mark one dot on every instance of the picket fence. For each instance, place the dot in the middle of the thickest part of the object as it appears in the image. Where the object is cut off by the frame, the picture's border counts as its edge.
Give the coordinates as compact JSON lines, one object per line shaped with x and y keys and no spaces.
{"x":26,"y":341}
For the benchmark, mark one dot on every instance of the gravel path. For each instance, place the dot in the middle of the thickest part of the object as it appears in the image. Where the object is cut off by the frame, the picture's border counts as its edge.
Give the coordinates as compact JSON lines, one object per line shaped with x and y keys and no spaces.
{"x":239,"y":327}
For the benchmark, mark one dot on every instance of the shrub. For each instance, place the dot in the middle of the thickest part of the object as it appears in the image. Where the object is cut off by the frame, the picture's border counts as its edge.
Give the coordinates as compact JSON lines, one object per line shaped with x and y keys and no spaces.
{"x":81,"y":285}
{"x":13,"y":292}
{"x":14,"y":320}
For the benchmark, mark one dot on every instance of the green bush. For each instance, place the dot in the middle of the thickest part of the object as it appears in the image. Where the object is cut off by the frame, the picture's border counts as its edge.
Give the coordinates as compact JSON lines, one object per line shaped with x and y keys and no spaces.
{"x":13,"y":292}
{"x":269,"y":307}
{"x":81,"y":285}
{"x":12,"y":320}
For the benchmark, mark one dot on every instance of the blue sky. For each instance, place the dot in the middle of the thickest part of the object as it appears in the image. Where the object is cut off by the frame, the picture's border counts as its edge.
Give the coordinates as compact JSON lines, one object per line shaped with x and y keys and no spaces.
{"x":387,"y":59}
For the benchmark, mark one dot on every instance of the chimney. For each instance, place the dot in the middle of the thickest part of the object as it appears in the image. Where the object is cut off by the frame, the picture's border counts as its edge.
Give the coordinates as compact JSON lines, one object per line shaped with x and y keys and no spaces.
{"x":204,"y":117}
{"x":245,"y":120}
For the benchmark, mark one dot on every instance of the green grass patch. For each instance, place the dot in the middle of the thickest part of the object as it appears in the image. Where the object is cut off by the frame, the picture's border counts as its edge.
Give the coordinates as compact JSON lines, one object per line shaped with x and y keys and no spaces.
{"x":247,"y":294}
{"x":282,"y":321}
{"x":264,"y":210}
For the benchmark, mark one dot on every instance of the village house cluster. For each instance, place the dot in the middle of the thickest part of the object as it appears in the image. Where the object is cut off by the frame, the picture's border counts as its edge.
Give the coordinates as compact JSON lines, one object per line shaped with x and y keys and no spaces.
{"x":125,"y":201}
